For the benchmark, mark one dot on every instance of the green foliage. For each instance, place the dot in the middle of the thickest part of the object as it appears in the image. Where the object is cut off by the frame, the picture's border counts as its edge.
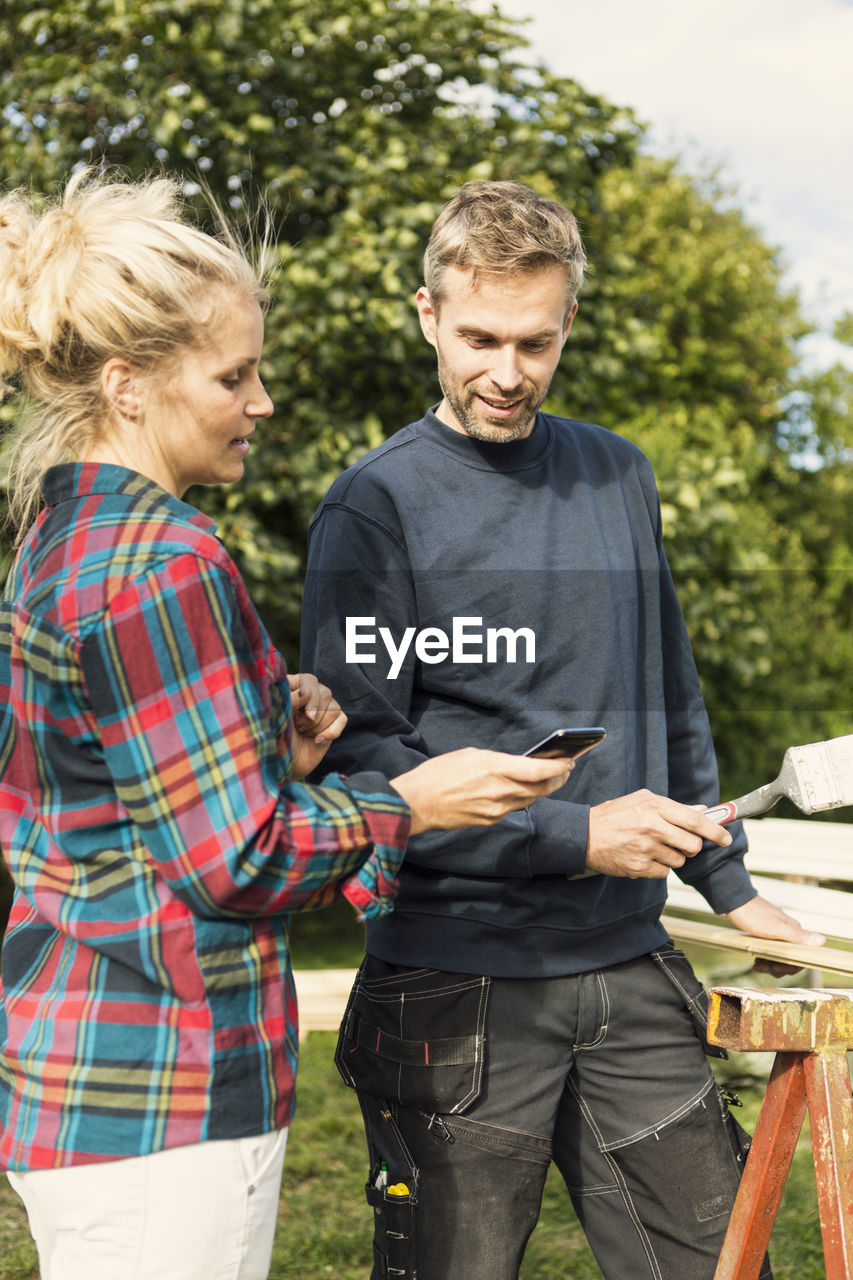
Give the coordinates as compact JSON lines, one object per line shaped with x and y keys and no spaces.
{"x":327,"y":939}
{"x":351,"y":124}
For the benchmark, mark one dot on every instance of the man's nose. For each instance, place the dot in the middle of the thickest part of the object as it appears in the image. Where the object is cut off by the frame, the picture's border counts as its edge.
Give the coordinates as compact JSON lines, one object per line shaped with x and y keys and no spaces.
{"x":506,"y":369}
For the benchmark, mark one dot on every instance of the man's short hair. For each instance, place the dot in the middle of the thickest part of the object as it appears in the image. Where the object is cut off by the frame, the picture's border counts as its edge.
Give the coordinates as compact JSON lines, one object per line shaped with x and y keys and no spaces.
{"x":502,"y":228}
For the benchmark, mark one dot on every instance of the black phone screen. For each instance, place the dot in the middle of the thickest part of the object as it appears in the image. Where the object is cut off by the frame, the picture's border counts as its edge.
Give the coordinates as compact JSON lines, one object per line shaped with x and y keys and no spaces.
{"x":568,"y":742}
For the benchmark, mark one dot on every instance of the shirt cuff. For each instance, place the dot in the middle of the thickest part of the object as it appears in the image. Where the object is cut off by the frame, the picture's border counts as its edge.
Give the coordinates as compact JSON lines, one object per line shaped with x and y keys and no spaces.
{"x":560,"y":836}
{"x":388,"y":818}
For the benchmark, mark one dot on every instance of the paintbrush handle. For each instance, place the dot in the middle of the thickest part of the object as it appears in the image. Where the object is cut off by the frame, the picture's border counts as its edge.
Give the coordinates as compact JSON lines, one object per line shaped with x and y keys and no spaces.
{"x":754,"y":802}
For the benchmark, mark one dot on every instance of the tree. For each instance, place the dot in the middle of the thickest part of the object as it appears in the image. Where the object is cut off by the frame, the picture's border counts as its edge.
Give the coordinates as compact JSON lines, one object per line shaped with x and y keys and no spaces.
{"x":353,"y":122}
{"x":692,"y":352}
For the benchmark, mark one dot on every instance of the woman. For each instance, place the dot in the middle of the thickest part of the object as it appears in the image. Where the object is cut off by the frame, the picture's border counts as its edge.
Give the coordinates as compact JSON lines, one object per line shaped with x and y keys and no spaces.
{"x":151,"y":750}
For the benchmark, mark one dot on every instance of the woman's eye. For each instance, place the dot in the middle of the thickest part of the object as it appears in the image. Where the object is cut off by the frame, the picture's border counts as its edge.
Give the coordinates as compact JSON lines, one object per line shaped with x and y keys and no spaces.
{"x":231,"y":383}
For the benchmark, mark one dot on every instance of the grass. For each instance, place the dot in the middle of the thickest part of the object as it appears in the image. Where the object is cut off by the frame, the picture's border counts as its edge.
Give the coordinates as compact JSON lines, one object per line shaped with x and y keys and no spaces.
{"x":325,"y":1225}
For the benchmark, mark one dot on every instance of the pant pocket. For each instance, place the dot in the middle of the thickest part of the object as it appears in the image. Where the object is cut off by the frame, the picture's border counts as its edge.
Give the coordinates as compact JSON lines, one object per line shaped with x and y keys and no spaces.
{"x":415,"y":1036}
{"x":678,"y":970}
{"x":261,"y":1157}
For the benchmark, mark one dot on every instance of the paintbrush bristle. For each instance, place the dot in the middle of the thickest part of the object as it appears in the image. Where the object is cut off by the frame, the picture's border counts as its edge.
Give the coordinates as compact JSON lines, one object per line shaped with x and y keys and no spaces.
{"x":819,"y":775}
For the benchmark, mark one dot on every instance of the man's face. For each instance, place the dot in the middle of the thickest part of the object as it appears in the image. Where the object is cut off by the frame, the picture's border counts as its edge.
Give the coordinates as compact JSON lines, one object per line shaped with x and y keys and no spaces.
{"x":498,"y":344}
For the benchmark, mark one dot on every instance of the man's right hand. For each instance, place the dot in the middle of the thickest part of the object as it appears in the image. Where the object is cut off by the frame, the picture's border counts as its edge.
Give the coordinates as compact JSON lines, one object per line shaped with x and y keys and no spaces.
{"x":475,"y":788}
{"x":644,"y":835}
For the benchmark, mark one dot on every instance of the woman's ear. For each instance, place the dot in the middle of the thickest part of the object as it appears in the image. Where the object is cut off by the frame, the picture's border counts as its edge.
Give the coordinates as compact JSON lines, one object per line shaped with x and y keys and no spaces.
{"x":120,"y":385}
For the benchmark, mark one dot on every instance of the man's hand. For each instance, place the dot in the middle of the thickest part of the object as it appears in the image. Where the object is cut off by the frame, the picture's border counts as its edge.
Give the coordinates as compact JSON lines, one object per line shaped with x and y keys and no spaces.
{"x":644,"y":835}
{"x":317,"y":721}
{"x":761,"y":919}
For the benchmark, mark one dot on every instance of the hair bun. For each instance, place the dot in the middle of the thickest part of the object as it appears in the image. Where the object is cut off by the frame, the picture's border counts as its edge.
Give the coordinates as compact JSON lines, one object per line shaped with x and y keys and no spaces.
{"x":17,"y":223}
{"x":54,"y":256}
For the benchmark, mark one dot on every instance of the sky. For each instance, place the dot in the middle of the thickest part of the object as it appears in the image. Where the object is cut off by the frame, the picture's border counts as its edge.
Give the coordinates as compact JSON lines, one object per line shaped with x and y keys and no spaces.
{"x":762,"y":87}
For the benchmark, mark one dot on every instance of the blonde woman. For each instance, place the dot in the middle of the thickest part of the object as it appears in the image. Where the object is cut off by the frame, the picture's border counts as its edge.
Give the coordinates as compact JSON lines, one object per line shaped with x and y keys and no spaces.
{"x":151,"y":751}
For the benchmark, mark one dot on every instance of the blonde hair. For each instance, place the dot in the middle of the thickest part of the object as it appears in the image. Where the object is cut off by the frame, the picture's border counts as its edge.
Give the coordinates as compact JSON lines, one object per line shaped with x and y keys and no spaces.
{"x":109,"y":268}
{"x":502,"y":228}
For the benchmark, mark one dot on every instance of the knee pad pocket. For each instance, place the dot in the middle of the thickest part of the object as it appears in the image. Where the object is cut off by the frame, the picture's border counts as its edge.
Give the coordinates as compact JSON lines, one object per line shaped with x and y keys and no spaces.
{"x":681,"y":1182}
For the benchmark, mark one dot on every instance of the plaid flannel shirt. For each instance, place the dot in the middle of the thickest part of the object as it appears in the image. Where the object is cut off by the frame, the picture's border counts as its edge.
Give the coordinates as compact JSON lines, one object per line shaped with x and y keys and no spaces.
{"x":155,"y":840}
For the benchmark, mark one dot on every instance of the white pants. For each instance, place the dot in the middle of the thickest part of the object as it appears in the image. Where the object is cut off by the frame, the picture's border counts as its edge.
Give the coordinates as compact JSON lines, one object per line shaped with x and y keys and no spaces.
{"x":203,"y":1212}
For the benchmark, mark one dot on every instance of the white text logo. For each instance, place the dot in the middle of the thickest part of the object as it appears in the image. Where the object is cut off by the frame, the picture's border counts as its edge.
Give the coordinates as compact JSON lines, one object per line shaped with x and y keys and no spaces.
{"x":467,"y":642}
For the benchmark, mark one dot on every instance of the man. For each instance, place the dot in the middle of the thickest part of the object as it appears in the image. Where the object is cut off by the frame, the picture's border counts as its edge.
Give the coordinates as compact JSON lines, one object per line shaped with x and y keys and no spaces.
{"x":487,"y":575}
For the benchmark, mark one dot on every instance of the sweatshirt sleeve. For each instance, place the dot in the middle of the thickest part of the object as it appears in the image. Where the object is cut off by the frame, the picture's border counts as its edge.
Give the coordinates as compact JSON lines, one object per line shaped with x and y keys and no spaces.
{"x":178,"y":696}
{"x":358,"y":569}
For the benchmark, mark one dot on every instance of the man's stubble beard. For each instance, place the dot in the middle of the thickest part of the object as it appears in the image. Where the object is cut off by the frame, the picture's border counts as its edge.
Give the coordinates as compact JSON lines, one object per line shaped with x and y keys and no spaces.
{"x":471,"y":422}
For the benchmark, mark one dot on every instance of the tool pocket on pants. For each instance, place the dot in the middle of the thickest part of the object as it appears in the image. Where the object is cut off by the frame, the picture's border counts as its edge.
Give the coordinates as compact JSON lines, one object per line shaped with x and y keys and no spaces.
{"x":393,"y":1232}
{"x":415,"y":1036}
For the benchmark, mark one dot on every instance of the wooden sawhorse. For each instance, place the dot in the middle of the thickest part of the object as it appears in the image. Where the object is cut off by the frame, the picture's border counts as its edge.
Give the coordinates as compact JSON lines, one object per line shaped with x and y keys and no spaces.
{"x":811,"y":1032}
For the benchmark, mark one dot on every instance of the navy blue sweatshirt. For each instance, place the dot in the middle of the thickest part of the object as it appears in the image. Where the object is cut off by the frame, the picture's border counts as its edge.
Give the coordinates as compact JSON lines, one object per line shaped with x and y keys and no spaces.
{"x":463,"y":593}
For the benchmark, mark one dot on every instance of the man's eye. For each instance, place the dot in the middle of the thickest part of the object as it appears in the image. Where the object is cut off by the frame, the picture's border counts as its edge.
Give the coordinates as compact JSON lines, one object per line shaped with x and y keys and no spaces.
{"x":230,"y":383}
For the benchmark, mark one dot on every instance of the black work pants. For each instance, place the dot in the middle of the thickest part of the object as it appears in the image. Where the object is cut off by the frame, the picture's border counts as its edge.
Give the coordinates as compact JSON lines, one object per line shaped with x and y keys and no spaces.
{"x":470,"y":1086}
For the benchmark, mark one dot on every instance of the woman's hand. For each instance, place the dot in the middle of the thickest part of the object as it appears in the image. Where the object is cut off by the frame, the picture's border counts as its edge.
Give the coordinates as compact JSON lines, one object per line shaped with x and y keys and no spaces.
{"x":317,"y":721}
{"x":475,"y":788}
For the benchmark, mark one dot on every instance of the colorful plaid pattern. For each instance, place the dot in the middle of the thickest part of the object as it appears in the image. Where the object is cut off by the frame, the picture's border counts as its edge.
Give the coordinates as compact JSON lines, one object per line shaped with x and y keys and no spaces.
{"x":155,"y":841}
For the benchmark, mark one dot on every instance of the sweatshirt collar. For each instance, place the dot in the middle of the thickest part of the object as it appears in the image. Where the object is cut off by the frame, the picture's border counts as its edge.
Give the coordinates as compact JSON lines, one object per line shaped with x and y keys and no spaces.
{"x":514,"y":455}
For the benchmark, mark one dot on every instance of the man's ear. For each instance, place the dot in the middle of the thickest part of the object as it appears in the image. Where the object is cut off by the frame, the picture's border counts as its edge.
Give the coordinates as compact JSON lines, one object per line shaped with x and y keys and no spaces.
{"x":120,"y":385}
{"x":569,"y":318}
{"x":427,"y":314}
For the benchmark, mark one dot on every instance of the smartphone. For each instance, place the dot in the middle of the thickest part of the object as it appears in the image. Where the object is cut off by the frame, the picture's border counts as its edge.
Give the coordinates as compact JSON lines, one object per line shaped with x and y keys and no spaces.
{"x":567,"y":742}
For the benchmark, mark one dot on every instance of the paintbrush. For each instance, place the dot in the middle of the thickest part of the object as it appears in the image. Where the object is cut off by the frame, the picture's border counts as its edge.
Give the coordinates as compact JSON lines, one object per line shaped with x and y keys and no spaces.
{"x":816,"y":776}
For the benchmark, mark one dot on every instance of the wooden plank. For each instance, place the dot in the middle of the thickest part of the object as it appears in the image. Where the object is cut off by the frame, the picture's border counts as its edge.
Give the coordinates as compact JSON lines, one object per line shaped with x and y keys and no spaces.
{"x":322,"y":996}
{"x":827,"y":911}
{"x":831,"y":1118}
{"x":829,"y":959}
